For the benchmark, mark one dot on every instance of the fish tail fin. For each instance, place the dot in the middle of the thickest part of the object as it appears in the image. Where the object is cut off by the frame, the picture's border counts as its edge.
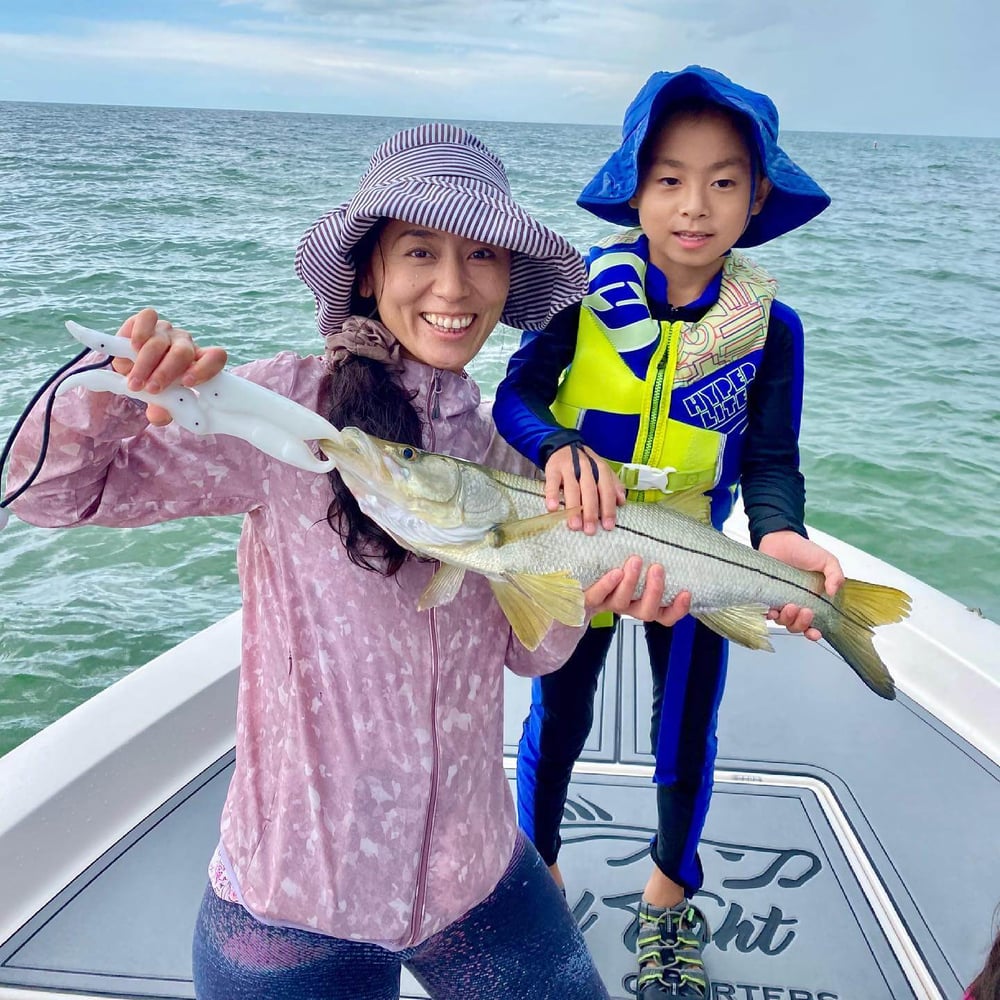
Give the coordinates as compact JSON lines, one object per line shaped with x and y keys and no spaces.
{"x":862,"y":607}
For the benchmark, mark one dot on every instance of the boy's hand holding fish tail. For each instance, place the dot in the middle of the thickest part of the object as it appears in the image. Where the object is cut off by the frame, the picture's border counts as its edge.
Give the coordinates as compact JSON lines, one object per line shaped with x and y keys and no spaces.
{"x":795,"y":550}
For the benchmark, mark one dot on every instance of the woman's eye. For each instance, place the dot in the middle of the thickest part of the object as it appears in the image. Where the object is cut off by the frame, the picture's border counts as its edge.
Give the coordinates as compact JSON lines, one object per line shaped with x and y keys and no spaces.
{"x":670,"y":181}
{"x":483,"y":253}
{"x":725,"y":182}
{"x":419,"y":253}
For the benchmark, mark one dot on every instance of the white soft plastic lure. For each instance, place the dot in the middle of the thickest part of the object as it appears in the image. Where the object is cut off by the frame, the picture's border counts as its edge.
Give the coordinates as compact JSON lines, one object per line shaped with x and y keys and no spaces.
{"x":225,"y":404}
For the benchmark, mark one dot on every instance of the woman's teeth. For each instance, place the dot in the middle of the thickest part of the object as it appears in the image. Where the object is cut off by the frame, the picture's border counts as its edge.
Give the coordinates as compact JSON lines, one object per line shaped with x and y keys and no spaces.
{"x":448,"y":322}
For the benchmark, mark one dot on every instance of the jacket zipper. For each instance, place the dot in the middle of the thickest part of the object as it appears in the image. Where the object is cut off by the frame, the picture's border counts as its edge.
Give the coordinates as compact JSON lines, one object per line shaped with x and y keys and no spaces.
{"x":657,"y":396}
{"x":435,"y":400}
{"x":425,"y":854}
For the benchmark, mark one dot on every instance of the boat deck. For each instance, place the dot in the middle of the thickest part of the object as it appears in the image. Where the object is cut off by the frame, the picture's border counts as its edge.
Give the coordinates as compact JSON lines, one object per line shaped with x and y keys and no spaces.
{"x":850,"y":852}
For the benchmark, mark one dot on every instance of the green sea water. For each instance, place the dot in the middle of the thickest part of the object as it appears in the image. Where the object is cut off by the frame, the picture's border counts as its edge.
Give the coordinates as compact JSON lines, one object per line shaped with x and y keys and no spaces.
{"x":105,"y":210}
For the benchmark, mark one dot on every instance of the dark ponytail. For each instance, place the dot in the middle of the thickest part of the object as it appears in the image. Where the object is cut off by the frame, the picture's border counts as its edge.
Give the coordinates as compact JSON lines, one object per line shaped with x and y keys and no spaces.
{"x":364,"y":393}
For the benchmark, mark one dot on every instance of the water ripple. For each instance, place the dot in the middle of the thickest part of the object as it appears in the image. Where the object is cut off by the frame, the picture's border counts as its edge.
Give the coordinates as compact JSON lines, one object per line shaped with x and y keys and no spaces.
{"x":198,"y":213}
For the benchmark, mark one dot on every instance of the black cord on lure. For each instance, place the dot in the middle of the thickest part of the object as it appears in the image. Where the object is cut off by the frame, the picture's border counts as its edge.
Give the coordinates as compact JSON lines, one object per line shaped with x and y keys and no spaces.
{"x":56,"y":379}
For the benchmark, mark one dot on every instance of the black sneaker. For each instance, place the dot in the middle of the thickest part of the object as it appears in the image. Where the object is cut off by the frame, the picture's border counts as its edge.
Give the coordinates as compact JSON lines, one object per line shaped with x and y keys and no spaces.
{"x":670,"y":946}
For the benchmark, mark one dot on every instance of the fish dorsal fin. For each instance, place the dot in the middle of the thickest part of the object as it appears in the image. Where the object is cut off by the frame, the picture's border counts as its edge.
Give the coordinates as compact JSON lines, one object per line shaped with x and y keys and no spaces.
{"x":746,"y":625}
{"x":532,"y":601}
{"x":525,"y":527}
{"x":694,"y":503}
{"x":443,"y":587}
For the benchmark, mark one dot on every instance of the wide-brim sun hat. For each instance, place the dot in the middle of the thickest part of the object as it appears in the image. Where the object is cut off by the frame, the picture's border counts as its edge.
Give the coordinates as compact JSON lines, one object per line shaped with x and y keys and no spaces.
{"x":441,"y":177}
{"x":795,"y":197}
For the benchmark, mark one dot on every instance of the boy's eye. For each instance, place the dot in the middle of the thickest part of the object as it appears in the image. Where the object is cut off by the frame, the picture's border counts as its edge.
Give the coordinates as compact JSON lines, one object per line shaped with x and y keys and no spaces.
{"x":670,"y":181}
{"x":725,"y":182}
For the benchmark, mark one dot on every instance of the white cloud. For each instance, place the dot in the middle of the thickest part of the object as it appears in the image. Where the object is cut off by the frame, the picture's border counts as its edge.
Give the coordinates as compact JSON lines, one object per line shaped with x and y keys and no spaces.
{"x":858,"y":65}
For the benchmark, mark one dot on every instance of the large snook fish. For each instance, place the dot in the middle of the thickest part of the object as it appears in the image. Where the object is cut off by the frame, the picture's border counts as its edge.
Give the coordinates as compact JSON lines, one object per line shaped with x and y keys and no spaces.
{"x":473,"y":518}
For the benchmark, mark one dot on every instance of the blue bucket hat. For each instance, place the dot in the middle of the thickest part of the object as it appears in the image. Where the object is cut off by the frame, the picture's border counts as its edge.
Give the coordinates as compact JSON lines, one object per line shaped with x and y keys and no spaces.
{"x":794,"y":199}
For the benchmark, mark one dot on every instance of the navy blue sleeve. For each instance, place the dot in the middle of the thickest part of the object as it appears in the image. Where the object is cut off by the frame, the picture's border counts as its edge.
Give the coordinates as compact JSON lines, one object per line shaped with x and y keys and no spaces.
{"x":773,"y":487}
{"x":521,"y":410}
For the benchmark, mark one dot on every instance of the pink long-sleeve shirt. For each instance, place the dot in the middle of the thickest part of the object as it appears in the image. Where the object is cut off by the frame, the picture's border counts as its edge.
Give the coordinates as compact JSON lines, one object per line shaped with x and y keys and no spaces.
{"x":369,"y":799}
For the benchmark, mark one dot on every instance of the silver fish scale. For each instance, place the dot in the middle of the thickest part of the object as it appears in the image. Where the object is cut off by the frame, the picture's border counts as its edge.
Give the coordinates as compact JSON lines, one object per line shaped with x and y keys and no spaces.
{"x":718,"y":571}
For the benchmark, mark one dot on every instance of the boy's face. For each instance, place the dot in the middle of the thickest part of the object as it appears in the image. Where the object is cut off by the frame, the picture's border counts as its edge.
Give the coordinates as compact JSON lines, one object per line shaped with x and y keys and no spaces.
{"x":694,"y":199}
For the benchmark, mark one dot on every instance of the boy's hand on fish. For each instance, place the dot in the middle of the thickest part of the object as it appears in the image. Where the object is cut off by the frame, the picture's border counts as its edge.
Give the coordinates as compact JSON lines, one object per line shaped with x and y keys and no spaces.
{"x":614,"y":592}
{"x":164,"y":355}
{"x":584,"y":480}
{"x":791,"y":548}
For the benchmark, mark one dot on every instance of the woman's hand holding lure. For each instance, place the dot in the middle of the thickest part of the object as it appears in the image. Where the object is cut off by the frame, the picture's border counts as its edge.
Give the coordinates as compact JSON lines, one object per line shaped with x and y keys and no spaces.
{"x":164,"y":354}
{"x":160,"y":365}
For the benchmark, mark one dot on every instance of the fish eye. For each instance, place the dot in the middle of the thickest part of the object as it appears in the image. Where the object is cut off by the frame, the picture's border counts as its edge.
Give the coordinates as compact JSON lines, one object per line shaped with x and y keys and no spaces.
{"x":408,"y":453}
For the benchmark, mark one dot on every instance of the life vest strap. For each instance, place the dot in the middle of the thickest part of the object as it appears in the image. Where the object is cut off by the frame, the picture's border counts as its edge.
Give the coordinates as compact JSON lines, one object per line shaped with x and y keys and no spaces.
{"x":635,"y":476}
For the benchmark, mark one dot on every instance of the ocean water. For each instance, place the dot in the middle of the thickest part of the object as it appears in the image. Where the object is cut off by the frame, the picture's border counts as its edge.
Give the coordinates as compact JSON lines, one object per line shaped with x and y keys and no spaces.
{"x":104,"y":210}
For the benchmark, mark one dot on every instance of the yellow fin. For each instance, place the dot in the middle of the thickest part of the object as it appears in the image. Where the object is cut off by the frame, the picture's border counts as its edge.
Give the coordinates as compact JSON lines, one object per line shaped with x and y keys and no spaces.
{"x":746,"y":625}
{"x":532,"y":601}
{"x":443,"y":587}
{"x":512,"y":531}
{"x":863,"y":606}
{"x":872,"y":604}
{"x":694,"y":503}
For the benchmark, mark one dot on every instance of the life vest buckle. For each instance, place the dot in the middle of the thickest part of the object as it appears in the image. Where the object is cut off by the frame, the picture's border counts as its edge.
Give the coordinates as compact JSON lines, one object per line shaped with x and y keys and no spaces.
{"x":645,"y":477}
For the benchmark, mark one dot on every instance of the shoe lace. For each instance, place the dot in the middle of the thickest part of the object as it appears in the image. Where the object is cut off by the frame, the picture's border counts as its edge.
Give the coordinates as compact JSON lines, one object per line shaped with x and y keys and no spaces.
{"x":670,"y":946}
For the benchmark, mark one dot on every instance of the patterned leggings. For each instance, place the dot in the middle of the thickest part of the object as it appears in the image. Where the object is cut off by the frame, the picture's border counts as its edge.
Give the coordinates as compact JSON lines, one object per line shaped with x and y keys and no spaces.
{"x":520,"y":943}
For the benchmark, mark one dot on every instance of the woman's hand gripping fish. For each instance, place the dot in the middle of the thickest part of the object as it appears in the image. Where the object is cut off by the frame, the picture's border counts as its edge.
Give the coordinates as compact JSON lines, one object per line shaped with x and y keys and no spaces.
{"x":473,"y":518}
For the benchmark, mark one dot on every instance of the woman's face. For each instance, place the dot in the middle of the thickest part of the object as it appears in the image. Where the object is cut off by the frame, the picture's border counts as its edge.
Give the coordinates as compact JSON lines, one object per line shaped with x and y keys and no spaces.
{"x":440,"y":294}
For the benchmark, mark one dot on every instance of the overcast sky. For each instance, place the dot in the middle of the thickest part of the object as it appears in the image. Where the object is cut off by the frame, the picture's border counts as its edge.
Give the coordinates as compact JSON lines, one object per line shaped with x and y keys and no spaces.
{"x":905,"y":66}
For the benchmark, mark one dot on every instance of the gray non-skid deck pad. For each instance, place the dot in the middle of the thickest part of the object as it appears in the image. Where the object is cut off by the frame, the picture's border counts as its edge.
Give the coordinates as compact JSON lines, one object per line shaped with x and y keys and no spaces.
{"x":832,"y":801}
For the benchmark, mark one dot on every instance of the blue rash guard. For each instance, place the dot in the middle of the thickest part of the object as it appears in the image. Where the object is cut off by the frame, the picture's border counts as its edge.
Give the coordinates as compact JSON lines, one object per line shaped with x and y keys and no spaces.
{"x":688,"y":661}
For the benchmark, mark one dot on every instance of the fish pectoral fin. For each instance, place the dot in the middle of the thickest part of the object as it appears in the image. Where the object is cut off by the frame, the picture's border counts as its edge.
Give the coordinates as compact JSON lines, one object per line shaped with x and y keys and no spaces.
{"x":746,"y":625}
{"x":525,"y":527}
{"x":532,"y":601}
{"x":694,"y":503}
{"x":443,"y":587}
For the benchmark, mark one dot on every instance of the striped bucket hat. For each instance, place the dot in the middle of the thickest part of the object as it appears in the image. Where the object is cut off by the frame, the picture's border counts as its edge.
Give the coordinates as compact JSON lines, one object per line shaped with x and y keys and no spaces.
{"x":442,"y":177}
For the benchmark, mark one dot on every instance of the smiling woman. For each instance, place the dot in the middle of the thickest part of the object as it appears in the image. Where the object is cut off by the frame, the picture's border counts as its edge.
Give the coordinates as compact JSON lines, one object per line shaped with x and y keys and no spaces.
{"x":439,"y":293}
{"x":369,"y":801}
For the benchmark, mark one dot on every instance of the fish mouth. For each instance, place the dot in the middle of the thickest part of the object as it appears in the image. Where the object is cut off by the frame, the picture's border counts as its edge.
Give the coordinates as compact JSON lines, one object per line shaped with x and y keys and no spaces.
{"x":359,"y":460}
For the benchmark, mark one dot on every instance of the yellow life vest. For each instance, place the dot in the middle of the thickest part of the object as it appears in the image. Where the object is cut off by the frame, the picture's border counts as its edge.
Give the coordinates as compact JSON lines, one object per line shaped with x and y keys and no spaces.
{"x":701,"y":365}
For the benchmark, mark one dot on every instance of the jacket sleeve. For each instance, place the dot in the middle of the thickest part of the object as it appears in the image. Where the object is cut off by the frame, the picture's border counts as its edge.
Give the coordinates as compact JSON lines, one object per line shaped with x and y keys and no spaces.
{"x":106,"y":464}
{"x":772,"y":485}
{"x":523,"y":398}
{"x":555,"y":649}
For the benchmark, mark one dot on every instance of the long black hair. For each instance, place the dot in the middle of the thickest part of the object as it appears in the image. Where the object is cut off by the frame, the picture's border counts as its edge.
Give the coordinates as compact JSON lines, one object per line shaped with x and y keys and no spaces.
{"x":364,"y":393}
{"x":986,"y":986}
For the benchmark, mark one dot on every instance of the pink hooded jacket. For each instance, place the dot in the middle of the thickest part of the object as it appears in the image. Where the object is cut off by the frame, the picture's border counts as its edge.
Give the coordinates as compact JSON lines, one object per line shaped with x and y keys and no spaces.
{"x":369,"y":799}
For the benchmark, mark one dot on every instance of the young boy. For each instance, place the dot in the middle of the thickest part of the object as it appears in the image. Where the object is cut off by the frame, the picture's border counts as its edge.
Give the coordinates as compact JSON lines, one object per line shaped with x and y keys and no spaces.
{"x":678,"y":370}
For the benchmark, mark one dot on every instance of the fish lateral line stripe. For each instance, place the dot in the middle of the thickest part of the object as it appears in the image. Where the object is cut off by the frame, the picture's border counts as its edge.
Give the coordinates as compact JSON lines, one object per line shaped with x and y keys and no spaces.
{"x":729,"y":562}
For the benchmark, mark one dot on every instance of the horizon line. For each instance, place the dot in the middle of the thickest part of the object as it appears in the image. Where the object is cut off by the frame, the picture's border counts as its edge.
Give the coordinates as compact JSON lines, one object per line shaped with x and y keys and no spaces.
{"x":419,"y":118}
